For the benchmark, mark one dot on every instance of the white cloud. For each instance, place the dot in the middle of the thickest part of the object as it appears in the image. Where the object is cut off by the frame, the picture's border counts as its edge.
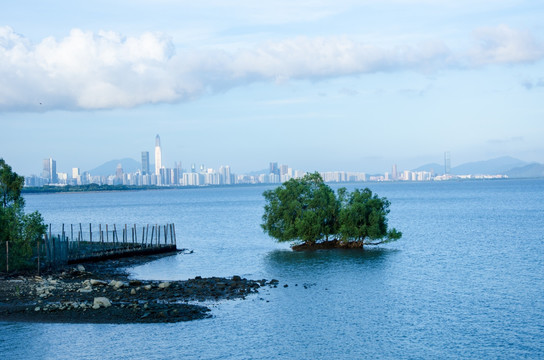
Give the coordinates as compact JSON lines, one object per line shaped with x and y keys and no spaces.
{"x":504,"y":45}
{"x":87,"y":70}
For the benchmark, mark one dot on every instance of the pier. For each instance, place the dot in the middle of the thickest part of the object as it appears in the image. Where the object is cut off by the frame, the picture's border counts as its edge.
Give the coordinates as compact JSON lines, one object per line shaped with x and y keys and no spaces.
{"x":78,"y":243}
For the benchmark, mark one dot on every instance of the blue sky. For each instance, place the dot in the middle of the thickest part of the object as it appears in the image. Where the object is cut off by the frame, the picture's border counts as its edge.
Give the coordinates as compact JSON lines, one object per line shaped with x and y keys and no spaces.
{"x":319,"y":85}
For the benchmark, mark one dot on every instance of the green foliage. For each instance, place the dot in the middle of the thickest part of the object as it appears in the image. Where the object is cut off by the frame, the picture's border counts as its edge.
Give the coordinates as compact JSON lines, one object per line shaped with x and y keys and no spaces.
{"x":307,"y":210}
{"x":301,"y":209}
{"x":19,"y":230}
{"x":363,"y":216}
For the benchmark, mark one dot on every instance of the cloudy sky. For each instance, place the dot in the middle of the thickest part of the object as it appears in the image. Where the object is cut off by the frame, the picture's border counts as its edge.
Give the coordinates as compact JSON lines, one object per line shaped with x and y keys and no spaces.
{"x":319,"y":85}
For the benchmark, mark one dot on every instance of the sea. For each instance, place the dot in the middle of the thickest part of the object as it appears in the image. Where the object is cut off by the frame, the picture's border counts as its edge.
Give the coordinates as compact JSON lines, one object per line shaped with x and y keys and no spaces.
{"x":466,"y":281}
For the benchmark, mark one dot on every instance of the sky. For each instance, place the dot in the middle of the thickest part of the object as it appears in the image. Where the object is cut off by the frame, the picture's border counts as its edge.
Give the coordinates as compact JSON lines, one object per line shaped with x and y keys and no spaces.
{"x":318,"y":85}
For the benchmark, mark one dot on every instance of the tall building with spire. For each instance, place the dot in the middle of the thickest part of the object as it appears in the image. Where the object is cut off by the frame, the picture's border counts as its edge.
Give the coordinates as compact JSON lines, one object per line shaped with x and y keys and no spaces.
{"x":158,"y":155}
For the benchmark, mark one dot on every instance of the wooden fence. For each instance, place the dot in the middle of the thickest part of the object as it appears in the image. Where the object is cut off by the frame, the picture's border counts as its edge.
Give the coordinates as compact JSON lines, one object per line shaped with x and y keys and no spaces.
{"x":78,"y":243}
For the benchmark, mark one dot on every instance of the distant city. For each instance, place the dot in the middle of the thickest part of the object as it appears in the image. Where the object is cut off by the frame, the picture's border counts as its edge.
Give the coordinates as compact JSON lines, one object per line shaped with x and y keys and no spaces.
{"x":202,"y":176}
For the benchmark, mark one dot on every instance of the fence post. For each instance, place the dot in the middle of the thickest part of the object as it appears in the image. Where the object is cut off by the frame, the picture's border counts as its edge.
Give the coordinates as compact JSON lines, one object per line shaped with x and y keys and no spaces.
{"x":7,"y":255}
{"x":152,"y":234}
{"x":165,"y":235}
{"x":90,"y":232}
{"x":143,"y":234}
{"x":64,"y":239}
{"x":80,"y":237}
{"x":175,"y":240}
{"x":71,"y":235}
{"x":46,"y":248}
{"x":38,"y":248}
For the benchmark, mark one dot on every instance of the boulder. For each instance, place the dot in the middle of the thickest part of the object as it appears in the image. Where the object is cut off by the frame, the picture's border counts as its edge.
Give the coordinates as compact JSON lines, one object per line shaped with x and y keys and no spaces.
{"x":101,"y":302}
{"x":164,"y":285}
{"x":98,"y":282}
{"x":80,"y":268}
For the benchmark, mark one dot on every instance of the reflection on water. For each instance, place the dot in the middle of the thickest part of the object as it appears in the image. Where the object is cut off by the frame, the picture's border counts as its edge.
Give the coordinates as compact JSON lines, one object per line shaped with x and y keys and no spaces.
{"x":323,"y":259}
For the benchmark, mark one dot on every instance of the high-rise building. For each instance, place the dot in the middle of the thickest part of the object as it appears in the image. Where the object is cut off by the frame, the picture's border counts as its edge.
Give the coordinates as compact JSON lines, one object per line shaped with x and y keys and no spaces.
{"x":119,"y":171}
{"x":394,"y":173}
{"x":145,"y":162}
{"x":447,"y":163}
{"x":274,"y":168}
{"x":50,"y":170}
{"x":158,"y":155}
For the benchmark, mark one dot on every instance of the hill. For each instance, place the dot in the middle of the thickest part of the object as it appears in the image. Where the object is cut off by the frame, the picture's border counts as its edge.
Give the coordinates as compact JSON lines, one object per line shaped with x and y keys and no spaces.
{"x":129,"y":165}
{"x":435,"y":168}
{"x":495,"y":166}
{"x":534,"y":170}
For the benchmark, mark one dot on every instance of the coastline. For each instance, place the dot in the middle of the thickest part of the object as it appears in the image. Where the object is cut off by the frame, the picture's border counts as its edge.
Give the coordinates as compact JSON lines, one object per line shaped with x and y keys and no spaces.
{"x":102,"y":293}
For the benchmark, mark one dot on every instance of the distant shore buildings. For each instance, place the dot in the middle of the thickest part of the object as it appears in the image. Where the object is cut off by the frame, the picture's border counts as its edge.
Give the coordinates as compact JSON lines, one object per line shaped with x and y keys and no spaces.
{"x":177,"y":176}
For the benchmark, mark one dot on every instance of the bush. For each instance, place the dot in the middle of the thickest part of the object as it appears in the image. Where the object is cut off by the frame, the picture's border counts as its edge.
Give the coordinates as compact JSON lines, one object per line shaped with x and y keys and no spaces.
{"x":19,"y":232}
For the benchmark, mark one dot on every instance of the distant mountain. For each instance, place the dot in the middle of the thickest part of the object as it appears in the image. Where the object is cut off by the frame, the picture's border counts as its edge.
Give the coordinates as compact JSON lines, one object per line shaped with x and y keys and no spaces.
{"x":491,"y":167}
{"x":534,"y":170}
{"x":435,"y":168}
{"x":109,"y":168}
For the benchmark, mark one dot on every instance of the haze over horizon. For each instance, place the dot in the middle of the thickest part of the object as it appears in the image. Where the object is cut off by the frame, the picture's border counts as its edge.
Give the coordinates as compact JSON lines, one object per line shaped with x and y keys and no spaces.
{"x":349,"y":85}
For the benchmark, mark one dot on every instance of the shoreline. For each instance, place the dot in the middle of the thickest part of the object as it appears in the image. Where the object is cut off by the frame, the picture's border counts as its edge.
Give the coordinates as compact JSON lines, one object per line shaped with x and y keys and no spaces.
{"x":101,"y":293}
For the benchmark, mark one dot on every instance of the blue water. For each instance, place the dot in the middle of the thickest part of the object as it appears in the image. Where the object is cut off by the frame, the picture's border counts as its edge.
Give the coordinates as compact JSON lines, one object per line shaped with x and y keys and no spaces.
{"x":465,"y":281}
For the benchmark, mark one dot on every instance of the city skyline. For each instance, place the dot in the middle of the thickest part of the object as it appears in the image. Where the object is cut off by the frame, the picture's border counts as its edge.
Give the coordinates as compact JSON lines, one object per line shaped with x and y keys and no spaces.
{"x":322,"y":86}
{"x":275,"y":174}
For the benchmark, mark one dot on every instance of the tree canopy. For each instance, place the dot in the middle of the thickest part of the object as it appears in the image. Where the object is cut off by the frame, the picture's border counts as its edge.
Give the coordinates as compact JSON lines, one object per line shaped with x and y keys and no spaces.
{"x":19,"y":229}
{"x":307,"y":210}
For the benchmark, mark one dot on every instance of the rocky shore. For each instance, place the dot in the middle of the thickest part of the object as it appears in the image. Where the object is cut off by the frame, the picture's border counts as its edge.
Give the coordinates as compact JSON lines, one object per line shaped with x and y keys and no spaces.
{"x":102,"y":293}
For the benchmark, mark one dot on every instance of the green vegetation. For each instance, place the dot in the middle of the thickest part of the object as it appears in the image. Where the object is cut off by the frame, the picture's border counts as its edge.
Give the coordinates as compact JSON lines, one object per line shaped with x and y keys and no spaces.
{"x":307,"y":210}
{"x":19,"y":232}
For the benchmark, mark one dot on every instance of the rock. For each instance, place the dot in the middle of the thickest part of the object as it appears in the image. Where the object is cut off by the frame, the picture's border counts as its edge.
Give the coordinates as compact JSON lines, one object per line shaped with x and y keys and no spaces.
{"x":135,"y":283}
{"x":236,"y":278}
{"x":117,"y":284}
{"x":132,"y":292}
{"x":97,"y":282}
{"x":164,"y":285}
{"x":101,"y":302}
{"x":147,"y":287}
{"x":86,"y":289}
{"x":80,"y":268}
{"x":285,"y":285}
{"x":37,"y":308}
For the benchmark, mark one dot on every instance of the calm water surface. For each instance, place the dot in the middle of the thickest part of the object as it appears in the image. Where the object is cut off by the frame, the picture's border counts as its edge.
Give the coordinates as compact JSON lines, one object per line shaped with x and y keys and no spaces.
{"x":465,"y":281}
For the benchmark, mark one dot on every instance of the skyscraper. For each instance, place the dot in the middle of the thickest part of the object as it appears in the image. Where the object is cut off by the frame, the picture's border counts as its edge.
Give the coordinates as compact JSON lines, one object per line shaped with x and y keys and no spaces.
{"x":145,"y":162}
{"x":50,"y":170}
{"x":158,"y":155}
{"x":447,"y":163}
{"x":274,"y":168}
